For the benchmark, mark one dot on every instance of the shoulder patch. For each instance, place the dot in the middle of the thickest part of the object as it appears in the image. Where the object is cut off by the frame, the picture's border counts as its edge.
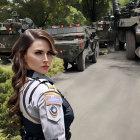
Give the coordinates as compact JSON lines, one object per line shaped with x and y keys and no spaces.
{"x":52,"y":98}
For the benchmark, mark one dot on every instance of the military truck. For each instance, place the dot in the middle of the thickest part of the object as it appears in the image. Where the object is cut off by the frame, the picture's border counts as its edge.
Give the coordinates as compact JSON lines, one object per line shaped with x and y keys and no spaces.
{"x":10,"y":30}
{"x":127,"y":25}
{"x":75,"y":44}
{"x":105,"y":30}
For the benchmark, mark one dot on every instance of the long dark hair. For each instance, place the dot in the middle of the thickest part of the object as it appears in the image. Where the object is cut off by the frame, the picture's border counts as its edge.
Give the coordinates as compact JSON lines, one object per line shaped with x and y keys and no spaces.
{"x":19,"y":79}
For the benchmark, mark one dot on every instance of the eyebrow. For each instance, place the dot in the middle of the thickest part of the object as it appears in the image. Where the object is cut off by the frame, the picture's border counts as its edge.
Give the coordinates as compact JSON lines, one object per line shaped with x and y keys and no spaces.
{"x":39,"y":50}
{"x":42,"y":50}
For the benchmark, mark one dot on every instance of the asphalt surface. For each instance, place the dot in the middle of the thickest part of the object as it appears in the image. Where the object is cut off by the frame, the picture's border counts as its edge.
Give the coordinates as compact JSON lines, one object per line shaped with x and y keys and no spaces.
{"x":105,"y":98}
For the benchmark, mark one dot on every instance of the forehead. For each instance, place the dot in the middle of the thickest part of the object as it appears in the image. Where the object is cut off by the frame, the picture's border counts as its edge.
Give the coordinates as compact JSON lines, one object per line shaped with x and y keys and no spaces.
{"x":40,"y":44}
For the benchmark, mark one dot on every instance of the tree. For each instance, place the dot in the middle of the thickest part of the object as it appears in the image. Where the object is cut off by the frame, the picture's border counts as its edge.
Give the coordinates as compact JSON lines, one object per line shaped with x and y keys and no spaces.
{"x":4,"y":10}
{"x":95,"y":9}
{"x":34,"y":9}
{"x":49,"y":12}
{"x":62,"y":12}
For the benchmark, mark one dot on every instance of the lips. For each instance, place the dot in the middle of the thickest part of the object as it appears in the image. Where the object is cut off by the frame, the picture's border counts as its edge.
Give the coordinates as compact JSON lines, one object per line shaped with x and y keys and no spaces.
{"x":45,"y":66}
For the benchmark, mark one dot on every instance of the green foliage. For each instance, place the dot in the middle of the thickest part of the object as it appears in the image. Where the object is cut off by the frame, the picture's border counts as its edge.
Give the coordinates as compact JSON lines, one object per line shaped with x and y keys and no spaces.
{"x":5,"y":92}
{"x":16,"y":138}
{"x":2,"y":137}
{"x":62,"y":12}
{"x":45,"y":13}
{"x":123,"y":2}
{"x":94,"y":9}
{"x":56,"y":67}
{"x":34,"y":9}
{"x":75,"y":16}
{"x":4,"y":10}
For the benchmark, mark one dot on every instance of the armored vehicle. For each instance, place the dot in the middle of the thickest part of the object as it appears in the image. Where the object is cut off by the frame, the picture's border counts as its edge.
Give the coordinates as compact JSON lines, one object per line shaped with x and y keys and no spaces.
{"x":105,"y":30}
{"x":9,"y":33}
{"x":75,"y":44}
{"x":127,"y":25}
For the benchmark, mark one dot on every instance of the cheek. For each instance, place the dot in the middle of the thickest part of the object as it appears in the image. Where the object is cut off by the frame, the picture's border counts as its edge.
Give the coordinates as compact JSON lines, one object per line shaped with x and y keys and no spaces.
{"x":31,"y":61}
{"x":50,"y":61}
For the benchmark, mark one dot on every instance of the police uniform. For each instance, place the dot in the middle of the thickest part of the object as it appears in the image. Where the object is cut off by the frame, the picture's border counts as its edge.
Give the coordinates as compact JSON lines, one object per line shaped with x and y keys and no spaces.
{"x":46,"y":114}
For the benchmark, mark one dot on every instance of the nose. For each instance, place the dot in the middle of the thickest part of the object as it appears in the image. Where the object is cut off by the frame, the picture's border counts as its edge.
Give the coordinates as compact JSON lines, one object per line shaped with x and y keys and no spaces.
{"x":45,"y":59}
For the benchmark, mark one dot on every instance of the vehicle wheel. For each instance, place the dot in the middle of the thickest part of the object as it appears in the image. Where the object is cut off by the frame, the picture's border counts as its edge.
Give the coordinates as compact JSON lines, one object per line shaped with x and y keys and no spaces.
{"x":65,"y":65}
{"x":5,"y":60}
{"x":81,"y":62}
{"x":96,"y":54}
{"x":116,"y":44}
{"x":121,"y":45}
{"x":130,"y":45}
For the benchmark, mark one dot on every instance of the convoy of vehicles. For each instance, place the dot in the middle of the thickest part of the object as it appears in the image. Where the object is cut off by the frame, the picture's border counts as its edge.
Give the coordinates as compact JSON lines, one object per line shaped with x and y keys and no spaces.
{"x":75,"y":44}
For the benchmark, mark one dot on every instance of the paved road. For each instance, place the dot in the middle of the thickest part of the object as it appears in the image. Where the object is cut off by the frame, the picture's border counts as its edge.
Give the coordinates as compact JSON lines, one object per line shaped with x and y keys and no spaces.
{"x":105,"y":99}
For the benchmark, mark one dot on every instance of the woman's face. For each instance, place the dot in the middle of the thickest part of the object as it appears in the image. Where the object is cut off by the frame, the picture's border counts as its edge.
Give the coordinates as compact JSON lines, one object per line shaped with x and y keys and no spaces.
{"x":39,"y":56}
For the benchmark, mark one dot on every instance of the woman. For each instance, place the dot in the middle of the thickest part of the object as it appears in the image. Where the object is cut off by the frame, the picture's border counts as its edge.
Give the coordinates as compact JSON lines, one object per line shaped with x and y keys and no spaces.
{"x":36,"y":103}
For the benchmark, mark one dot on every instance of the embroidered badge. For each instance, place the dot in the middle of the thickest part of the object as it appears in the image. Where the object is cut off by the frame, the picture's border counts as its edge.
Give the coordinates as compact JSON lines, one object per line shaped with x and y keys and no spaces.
{"x":50,"y":86}
{"x":53,"y":111}
{"x":53,"y":98}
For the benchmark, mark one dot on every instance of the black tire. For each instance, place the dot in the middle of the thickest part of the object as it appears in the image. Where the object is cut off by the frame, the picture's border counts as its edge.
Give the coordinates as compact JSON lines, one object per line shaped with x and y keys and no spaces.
{"x":65,"y":65}
{"x":81,"y":62}
{"x":5,"y":60}
{"x":95,"y":56}
{"x":130,"y":45}
{"x":116,"y":44}
{"x":121,"y":45}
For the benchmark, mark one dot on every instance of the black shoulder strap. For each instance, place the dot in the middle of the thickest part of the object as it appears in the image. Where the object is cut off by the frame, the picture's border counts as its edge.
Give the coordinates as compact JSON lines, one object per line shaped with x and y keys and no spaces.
{"x":30,"y":98}
{"x":25,"y":92}
{"x":65,"y":102}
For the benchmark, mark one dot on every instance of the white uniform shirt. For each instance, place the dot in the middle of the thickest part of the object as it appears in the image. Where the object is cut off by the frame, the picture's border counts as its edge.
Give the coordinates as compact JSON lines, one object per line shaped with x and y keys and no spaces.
{"x":45,"y":108}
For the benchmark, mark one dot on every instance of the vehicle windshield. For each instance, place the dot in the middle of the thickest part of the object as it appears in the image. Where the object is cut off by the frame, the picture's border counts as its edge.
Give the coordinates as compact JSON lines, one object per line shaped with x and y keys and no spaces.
{"x":65,"y":30}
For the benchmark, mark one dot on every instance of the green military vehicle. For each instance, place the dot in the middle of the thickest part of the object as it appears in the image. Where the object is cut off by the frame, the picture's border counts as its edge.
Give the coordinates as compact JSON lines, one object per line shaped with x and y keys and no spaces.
{"x":10,"y":32}
{"x":127,"y":25}
{"x":105,"y":31}
{"x":75,"y":44}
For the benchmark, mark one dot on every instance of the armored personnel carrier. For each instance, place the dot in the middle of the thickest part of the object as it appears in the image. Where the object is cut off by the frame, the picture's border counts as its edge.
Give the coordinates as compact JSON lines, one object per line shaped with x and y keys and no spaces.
{"x":127,"y":25}
{"x":10,"y":30}
{"x":75,"y":44}
{"x":105,"y":30}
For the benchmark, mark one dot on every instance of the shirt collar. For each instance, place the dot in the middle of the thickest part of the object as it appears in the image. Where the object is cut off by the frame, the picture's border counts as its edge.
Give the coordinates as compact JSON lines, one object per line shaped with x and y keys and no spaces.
{"x":35,"y":75}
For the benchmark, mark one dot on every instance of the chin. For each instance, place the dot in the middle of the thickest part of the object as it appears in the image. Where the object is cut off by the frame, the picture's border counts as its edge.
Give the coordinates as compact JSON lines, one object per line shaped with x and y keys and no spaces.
{"x":44,"y":72}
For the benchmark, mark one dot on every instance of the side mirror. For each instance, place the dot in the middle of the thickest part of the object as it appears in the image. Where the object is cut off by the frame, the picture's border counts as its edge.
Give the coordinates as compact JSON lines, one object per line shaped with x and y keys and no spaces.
{"x":137,"y":52}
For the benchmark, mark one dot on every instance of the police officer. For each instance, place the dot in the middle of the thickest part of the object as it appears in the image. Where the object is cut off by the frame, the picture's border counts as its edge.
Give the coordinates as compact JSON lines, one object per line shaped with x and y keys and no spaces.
{"x":45,"y":113}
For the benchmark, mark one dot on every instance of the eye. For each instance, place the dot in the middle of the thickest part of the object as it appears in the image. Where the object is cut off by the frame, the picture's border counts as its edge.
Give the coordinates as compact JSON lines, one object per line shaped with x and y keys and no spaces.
{"x":38,"y":52}
{"x":50,"y":53}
